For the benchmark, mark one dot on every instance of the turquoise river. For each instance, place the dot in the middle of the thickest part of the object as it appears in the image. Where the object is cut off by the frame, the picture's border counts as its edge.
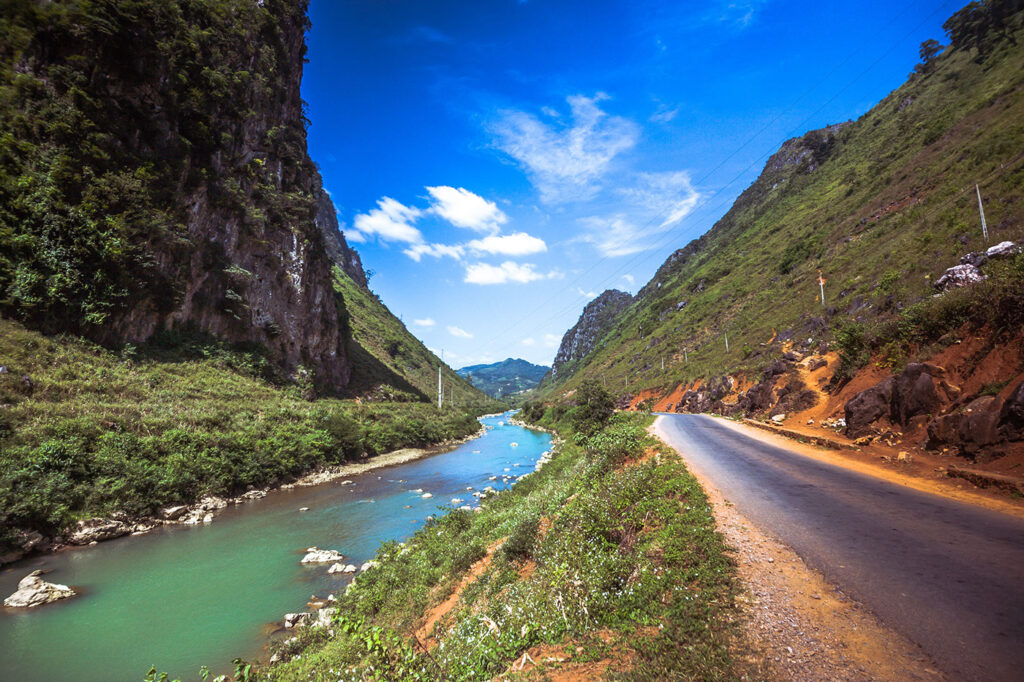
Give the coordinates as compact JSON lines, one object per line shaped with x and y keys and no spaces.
{"x":182,"y":597}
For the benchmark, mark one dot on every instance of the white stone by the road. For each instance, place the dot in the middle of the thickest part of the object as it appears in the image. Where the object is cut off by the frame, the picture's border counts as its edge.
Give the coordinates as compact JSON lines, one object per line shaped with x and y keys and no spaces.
{"x":34,"y":591}
{"x":303,"y":509}
{"x":368,"y":565}
{"x":315,"y":555}
{"x":779,"y":418}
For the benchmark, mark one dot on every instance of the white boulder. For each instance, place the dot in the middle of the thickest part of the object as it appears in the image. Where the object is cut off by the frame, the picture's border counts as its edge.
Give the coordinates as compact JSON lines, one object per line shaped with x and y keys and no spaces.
{"x":34,"y":591}
{"x":315,"y":555}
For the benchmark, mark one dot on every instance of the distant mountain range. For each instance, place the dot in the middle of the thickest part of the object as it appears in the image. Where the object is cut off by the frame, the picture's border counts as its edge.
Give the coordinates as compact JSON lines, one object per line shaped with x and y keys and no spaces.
{"x":506,"y":377}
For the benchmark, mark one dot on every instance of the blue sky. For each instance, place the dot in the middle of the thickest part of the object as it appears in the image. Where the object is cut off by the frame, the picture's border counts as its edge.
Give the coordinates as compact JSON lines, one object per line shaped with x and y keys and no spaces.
{"x":497,"y":164}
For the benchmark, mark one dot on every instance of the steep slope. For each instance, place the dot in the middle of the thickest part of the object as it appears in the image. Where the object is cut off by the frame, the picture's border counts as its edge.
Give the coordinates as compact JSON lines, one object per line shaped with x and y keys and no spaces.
{"x":883,"y":206}
{"x":504,"y":378}
{"x":338,"y":249}
{"x":389,"y":363}
{"x":596,"y":320}
{"x":154,"y":176}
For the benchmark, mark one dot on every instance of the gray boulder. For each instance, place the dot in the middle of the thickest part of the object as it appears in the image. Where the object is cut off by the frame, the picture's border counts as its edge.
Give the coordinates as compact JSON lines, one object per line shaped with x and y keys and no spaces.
{"x":868,"y":406}
{"x":959,"y":276}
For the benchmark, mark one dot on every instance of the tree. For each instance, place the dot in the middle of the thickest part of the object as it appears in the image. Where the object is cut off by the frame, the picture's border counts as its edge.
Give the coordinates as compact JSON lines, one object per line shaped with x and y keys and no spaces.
{"x":594,"y":405}
{"x":981,"y":24}
{"x":930,"y":49}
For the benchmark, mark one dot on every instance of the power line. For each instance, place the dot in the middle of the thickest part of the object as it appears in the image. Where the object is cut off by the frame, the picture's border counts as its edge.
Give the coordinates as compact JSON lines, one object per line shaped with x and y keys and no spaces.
{"x":671,"y":234}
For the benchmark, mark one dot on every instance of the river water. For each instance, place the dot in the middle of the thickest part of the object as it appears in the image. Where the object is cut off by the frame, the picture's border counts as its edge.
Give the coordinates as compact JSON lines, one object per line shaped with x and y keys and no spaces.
{"x":181,"y":597}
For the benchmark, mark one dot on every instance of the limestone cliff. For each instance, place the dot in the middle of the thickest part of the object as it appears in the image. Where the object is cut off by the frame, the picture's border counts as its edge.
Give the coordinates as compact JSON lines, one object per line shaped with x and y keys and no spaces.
{"x":338,"y":249}
{"x":596,"y":320}
{"x":155,"y":177}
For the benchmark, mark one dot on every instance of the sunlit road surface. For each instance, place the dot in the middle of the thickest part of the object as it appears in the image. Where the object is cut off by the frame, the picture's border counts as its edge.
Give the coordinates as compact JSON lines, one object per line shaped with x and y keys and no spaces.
{"x":946,"y":574}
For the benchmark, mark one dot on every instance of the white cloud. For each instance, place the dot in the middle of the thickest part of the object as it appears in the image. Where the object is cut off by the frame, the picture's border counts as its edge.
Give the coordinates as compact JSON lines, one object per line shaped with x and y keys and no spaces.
{"x":515,"y":244}
{"x":459,"y":332}
{"x":417,"y":251}
{"x":425,"y":322}
{"x":630,"y":280}
{"x":670,"y":195}
{"x":552,"y":341}
{"x":664,"y":114}
{"x":391,"y":221}
{"x":462,"y":208}
{"x":652,"y":204}
{"x":566,"y":163}
{"x":509,"y":271}
{"x":587,"y":294}
{"x":529,"y":341}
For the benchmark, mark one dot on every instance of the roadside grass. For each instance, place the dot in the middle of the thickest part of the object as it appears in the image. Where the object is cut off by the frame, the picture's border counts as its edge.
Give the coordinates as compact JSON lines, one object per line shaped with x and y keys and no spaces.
{"x":87,"y":431}
{"x":593,"y":543}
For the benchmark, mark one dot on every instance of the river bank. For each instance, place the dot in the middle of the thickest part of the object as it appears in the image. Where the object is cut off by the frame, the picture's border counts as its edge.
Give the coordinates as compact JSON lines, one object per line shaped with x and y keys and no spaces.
{"x":181,"y":596}
{"x":203,"y":511}
{"x":604,"y":560}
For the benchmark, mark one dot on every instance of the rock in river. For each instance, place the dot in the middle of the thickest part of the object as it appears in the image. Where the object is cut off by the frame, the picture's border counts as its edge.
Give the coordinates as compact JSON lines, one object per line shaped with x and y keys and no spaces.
{"x":34,"y":591}
{"x":315,"y":555}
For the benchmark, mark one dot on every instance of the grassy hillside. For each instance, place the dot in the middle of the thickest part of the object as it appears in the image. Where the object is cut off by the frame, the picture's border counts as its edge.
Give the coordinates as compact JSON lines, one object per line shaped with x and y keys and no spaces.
{"x":86,"y":431}
{"x":390,"y":363}
{"x":882,"y":205}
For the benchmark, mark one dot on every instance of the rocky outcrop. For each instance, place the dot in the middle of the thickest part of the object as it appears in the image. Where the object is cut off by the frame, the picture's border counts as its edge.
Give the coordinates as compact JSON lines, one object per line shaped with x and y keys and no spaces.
{"x":196,"y":168}
{"x":598,"y":318}
{"x":921,"y":389}
{"x":334,"y":241}
{"x":34,"y":591}
{"x":985,"y":422}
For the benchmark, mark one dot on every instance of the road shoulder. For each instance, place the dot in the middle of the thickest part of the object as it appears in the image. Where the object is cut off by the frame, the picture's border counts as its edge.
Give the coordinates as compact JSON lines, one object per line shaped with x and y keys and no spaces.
{"x":798,"y":626}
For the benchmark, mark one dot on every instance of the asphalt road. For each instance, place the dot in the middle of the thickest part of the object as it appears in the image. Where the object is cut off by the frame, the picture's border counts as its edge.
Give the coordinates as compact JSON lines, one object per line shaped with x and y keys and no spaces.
{"x":947,"y":575}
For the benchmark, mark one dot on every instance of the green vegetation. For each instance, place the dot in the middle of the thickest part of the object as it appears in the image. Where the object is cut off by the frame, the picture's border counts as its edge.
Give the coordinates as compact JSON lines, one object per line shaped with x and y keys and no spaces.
{"x":596,"y":541}
{"x":87,"y":431}
{"x":114,"y":117}
{"x":389,"y":363}
{"x":882,"y":205}
{"x":506,"y":378}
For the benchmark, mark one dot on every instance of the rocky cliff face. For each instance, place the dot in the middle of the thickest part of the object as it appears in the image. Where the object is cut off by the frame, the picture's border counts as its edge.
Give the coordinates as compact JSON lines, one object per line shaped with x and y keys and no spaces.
{"x":165,"y":178}
{"x":597,"y":319}
{"x":334,"y":241}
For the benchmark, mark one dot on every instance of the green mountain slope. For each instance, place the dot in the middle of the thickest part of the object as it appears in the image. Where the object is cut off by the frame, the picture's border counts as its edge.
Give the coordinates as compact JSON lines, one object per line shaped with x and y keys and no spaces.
{"x":388,"y":362}
{"x":512,"y":375}
{"x":882,"y":205}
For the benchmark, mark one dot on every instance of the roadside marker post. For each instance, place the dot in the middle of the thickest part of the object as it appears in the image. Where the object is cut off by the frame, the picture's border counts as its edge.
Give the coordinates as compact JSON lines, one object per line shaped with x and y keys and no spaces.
{"x":981,"y":210}
{"x":821,"y":283}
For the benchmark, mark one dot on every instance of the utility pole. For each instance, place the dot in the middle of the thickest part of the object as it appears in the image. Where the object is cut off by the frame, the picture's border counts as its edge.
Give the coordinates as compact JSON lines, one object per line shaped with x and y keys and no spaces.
{"x":727,"y":342}
{"x":440,"y":393}
{"x":821,"y":283}
{"x":981,"y":210}
{"x":662,"y":363}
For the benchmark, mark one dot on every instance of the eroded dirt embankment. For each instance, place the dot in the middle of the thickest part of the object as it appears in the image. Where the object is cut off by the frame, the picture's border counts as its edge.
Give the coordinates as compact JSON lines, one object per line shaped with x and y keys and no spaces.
{"x":956,"y":420}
